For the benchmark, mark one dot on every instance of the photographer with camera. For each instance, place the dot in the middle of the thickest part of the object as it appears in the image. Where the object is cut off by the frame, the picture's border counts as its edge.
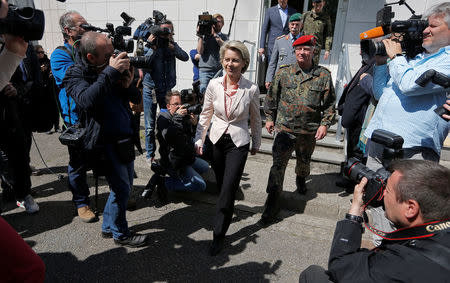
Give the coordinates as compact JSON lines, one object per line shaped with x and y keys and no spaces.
{"x":101,"y":86}
{"x":159,"y":77}
{"x":62,"y":58}
{"x":176,"y":127}
{"x":405,"y":108}
{"x":416,"y":199}
{"x":208,"y":47}
{"x":12,"y":51}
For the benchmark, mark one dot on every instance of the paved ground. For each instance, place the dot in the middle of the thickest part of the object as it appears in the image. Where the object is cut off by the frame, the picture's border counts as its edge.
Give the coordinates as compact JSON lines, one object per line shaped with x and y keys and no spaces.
{"x":180,"y":232}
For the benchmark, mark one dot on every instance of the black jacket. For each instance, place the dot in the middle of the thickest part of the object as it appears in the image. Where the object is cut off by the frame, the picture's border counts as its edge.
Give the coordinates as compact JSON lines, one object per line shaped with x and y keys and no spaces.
{"x":394,"y":261}
{"x":176,"y":146}
{"x":103,"y":100}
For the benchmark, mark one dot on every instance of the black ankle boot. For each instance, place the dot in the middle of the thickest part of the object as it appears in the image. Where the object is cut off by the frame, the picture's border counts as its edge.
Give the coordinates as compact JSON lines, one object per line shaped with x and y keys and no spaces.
{"x":151,"y":186}
{"x":272,"y":208}
{"x":216,"y":246}
{"x":301,"y":185}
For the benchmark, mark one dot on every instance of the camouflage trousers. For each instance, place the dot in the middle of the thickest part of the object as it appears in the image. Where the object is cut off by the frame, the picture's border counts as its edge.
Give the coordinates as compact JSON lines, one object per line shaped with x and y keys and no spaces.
{"x":283,"y":146}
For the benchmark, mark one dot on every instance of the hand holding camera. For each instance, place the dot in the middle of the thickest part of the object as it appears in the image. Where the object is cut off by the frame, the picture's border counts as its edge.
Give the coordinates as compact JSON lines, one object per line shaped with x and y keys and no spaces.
{"x":393,"y":47}
{"x":357,"y":202}
{"x":120,"y":62}
{"x":182,"y":111}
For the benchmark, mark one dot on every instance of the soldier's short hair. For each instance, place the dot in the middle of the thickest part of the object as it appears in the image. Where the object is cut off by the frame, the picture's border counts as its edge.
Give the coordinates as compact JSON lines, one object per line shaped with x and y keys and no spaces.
{"x":239,"y":47}
{"x":426,"y":182}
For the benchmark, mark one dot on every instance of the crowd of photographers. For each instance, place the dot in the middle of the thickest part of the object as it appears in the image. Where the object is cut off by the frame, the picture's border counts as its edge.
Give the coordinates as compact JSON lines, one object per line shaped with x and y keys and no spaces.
{"x":395,"y":105}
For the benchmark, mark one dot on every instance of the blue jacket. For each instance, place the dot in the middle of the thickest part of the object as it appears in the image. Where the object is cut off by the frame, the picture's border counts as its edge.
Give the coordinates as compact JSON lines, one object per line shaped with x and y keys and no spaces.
{"x":161,"y":74}
{"x":103,"y":99}
{"x":60,"y":61}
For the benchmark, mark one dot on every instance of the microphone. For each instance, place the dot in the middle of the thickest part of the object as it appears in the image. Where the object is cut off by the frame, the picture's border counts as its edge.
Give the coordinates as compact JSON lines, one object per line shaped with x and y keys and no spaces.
{"x":374,"y":33}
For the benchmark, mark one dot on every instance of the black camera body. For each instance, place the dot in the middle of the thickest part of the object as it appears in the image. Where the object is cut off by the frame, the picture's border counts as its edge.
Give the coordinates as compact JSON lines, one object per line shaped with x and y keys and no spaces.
{"x":355,"y":170}
{"x":205,"y":24}
{"x":120,"y":44}
{"x":161,"y":36}
{"x":23,"y":20}
{"x":152,"y":26}
{"x":439,"y":79}
{"x":411,"y":31}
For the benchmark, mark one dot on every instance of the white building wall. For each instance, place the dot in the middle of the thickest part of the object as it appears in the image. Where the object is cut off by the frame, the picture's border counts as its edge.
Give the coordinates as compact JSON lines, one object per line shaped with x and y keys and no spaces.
{"x":183,"y":13}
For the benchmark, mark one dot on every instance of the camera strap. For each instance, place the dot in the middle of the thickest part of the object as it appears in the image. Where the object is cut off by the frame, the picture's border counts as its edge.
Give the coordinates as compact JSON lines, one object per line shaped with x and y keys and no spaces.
{"x":421,"y":231}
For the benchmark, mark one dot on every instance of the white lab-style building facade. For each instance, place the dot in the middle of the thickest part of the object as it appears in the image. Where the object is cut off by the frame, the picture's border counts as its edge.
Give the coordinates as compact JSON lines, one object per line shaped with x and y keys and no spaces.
{"x":351,"y":17}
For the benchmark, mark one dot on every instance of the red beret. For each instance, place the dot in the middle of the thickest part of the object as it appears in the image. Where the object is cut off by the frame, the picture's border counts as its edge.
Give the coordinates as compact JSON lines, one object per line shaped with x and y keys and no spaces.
{"x":305,"y":40}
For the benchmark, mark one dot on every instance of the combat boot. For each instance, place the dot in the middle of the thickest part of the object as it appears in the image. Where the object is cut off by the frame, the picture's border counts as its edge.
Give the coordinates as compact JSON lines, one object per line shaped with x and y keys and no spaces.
{"x":272,"y":208}
{"x":301,"y":185}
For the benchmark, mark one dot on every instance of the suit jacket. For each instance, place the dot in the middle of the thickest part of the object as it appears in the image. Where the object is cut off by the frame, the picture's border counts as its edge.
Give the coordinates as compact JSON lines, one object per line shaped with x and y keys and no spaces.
{"x":273,"y":27}
{"x":282,"y":54}
{"x":245,"y":106}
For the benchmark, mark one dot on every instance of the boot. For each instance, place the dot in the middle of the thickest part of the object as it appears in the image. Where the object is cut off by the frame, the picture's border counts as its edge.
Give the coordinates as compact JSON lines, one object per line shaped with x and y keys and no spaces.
{"x":86,"y":215}
{"x":151,"y":186}
{"x":272,"y":208}
{"x":301,"y":185}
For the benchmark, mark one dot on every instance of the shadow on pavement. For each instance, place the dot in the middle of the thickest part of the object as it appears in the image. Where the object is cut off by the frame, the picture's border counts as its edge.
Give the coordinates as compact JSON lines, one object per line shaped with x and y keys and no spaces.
{"x":173,"y":255}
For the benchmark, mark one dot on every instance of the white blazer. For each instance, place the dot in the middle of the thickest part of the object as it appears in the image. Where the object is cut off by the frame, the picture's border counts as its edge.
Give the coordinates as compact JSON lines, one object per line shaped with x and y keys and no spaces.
{"x":245,"y":105}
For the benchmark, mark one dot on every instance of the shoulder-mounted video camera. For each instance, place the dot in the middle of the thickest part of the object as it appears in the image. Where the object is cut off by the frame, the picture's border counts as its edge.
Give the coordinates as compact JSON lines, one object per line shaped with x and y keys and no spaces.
{"x":23,"y":20}
{"x":205,"y":24}
{"x":152,"y":26}
{"x":411,"y":32}
{"x":392,"y":149}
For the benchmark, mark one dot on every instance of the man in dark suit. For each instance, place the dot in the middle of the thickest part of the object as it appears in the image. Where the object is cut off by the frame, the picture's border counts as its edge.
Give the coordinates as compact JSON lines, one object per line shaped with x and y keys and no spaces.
{"x":275,"y":24}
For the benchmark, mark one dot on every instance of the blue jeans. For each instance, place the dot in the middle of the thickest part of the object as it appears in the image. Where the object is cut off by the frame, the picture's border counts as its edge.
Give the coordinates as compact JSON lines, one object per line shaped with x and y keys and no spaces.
{"x":149,"y":120}
{"x":191,"y":180}
{"x":76,"y":174}
{"x":205,"y":77}
{"x":150,"y":117}
{"x":120,"y":180}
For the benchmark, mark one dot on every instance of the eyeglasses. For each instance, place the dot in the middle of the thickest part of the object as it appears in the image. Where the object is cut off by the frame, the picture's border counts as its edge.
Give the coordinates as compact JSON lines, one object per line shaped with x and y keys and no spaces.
{"x":175,"y":104}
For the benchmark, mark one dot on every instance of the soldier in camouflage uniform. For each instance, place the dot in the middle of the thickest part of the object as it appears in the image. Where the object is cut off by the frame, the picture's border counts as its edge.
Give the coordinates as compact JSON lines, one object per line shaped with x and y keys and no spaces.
{"x":300,"y":107}
{"x":318,"y":23}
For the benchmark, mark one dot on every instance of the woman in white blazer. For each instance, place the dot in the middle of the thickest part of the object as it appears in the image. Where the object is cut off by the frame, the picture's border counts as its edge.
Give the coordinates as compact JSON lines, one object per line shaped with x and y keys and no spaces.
{"x":232,"y":101}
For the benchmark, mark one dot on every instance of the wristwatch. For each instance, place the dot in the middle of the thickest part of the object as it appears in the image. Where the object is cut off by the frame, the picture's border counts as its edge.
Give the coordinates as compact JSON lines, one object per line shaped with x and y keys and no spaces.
{"x":354,"y":218}
{"x":397,"y":55}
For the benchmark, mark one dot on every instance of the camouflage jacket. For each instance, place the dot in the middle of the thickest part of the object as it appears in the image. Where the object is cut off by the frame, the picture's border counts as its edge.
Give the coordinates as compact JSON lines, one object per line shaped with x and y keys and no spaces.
{"x":300,"y":102}
{"x":319,"y":26}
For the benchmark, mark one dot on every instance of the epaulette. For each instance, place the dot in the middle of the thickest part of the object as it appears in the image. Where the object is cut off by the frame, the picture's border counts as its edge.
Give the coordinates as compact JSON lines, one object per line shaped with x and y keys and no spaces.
{"x":319,"y":69}
{"x":281,"y":36}
{"x":284,"y":66}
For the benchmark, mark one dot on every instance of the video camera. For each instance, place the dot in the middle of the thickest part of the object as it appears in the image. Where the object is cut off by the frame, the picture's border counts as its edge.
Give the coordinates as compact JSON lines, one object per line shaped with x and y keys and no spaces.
{"x":152,"y":26}
{"x":355,"y":170}
{"x":205,"y":24}
{"x":189,"y":96}
{"x":23,"y":20}
{"x":411,"y":32}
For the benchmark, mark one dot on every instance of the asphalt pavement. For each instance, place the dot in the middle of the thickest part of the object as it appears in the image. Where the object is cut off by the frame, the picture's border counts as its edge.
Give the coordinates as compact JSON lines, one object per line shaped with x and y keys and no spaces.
{"x":180,"y":232}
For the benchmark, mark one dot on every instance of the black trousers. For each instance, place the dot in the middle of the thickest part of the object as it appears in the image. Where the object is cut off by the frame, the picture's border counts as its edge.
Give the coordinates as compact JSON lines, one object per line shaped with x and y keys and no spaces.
{"x":314,"y":274}
{"x":228,"y":164}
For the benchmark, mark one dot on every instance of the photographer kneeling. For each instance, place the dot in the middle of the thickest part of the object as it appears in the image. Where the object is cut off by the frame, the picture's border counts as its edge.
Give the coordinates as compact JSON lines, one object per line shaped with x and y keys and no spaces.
{"x":175,"y":130}
{"x":101,"y":86}
{"x":416,"y":200}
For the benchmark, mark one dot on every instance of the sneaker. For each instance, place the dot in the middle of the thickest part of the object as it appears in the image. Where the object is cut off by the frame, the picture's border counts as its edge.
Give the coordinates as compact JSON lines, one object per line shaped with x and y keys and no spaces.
{"x":28,"y":204}
{"x":86,"y":215}
{"x":132,"y":241}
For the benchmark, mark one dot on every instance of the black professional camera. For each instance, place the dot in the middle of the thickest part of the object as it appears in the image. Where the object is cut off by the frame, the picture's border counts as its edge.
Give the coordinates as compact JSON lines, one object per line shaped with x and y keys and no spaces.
{"x":205,"y":23}
{"x":190,"y":96}
{"x":119,"y":43}
{"x":439,"y":79}
{"x":355,"y":170}
{"x":23,"y":20}
{"x":410,"y":30}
